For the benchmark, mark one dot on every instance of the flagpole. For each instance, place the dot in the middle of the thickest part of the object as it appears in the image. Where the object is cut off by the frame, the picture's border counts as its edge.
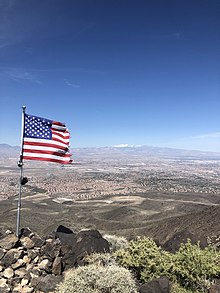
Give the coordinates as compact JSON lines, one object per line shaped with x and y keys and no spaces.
{"x":20,"y":165}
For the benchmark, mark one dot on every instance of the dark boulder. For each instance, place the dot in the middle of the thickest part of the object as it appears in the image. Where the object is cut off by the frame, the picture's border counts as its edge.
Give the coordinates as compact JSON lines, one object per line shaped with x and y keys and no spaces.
{"x":75,"y":246}
{"x":66,"y":239}
{"x":25,"y":232}
{"x":89,"y":242}
{"x":161,"y":285}
{"x":64,"y":229}
{"x":66,"y":236}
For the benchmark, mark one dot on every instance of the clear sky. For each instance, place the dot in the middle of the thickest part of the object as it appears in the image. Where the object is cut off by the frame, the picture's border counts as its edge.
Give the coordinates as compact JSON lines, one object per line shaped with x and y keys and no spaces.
{"x":137,"y":72}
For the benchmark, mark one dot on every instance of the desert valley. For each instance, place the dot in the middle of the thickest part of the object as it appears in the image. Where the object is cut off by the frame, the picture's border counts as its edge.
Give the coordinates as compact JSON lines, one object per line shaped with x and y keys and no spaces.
{"x":124,"y":191}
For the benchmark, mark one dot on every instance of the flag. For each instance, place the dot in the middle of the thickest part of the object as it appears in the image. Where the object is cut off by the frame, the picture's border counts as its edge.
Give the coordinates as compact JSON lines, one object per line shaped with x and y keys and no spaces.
{"x":45,"y":140}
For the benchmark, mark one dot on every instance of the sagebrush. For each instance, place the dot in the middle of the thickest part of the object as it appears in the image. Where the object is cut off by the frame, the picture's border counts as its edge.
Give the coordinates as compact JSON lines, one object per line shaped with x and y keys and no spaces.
{"x":116,"y":242}
{"x":96,"y":279}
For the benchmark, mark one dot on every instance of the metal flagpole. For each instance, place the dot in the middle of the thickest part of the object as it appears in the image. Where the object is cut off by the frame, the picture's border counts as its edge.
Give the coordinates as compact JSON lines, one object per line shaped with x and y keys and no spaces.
{"x":20,"y":165}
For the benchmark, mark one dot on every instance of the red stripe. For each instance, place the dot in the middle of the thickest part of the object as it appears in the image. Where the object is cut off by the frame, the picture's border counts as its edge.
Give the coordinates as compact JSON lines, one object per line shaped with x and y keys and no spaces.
{"x":47,"y":153}
{"x":58,"y":123}
{"x":46,"y":144}
{"x":47,"y":159}
{"x":61,"y":134}
{"x":59,"y":140}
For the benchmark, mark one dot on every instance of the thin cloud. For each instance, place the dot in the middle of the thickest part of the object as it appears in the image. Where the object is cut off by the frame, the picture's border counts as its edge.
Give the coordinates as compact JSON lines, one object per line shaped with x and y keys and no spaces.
{"x":68,"y":69}
{"x":19,"y":75}
{"x":172,"y":36}
{"x":74,"y":85}
{"x":208,"y":135}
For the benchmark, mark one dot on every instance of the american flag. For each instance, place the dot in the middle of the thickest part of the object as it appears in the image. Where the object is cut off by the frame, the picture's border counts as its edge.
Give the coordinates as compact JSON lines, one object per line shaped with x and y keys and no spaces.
{"x":45,"y":140}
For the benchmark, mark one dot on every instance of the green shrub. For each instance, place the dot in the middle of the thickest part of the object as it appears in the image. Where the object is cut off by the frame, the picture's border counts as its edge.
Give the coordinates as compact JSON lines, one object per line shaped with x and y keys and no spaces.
{"x":196,"y":267}
{"x":145,"y":259}
{"x":116,"y":242}
{"x":192,"y":267}
{"x":98,"y":279}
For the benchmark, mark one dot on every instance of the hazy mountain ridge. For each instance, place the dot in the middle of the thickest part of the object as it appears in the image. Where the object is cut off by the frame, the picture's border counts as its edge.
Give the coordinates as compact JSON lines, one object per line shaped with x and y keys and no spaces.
{"x":7,"y":151}
{"x":132,"y":151}
{"x":146,"y":151}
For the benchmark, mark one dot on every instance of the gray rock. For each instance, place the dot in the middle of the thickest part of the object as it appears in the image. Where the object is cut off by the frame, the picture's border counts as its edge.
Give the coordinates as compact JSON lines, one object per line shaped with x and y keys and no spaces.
{"x":57,"y":266}
{"x":38,"y":242}
{"x":29,"y":267}
{"x":22,"y":272}
{"x":3,"y":282}
{"x":8,"y":232}
{"x":15,"y":281}
{"x":9,"y":241}
{"x":46,"y":284}
{"x":5,"y":288}
{"x":2,"y":253}
{"x":17,"y":288}
{"x":18,"y":264}
{"x":45,"y":265}
{"x":24,"y":282}
{"x":27,"y":242}
{"x":8,"y":273}
{"x":35,"y":273}
{"x":26,"y":259}
{"x":32,"y":253}
{"x":11,"y":257}
{"x":27,"y":289}
{"x":51,"y":249}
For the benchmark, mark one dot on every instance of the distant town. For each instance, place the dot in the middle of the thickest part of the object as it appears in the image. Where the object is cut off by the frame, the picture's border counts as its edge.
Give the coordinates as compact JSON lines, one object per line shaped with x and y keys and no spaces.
{"x":108,"y":171}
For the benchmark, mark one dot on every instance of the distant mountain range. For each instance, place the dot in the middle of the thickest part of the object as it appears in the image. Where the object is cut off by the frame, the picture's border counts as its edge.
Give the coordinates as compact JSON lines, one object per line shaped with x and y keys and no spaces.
{"x":7,"y":150}
{"x":122,"y":152}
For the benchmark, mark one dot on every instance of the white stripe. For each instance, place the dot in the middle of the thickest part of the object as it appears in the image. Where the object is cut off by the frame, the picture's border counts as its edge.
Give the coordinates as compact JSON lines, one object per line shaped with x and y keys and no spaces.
{"x":61,"y":133}
{"x":46,"y":156}
{"x":59,"y":127}
{"x":43,"y":148}
{"x":48,"y":141}
{"x":65,"y":140}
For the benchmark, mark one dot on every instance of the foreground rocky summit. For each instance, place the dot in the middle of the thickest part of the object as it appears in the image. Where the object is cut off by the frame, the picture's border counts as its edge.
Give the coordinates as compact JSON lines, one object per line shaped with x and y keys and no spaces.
{"x":34,"y":264}
{"x":30,"y":263}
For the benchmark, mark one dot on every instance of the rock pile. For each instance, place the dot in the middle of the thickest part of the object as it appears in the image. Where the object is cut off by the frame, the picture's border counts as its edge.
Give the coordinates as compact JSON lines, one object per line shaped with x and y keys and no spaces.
{"x":34,"y":264}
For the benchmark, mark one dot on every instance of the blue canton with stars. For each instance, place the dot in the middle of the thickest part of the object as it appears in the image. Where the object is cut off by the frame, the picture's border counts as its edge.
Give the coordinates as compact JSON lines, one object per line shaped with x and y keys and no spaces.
{"x":37,"y":127}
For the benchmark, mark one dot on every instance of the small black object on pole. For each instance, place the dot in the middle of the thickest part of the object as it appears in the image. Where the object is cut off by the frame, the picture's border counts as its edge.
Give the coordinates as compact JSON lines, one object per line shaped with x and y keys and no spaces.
{"x":23,"y":180}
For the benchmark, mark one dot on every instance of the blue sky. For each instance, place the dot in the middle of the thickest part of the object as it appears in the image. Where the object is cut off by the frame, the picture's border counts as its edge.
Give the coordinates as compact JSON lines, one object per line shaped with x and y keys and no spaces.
{"x":117,"y":72}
